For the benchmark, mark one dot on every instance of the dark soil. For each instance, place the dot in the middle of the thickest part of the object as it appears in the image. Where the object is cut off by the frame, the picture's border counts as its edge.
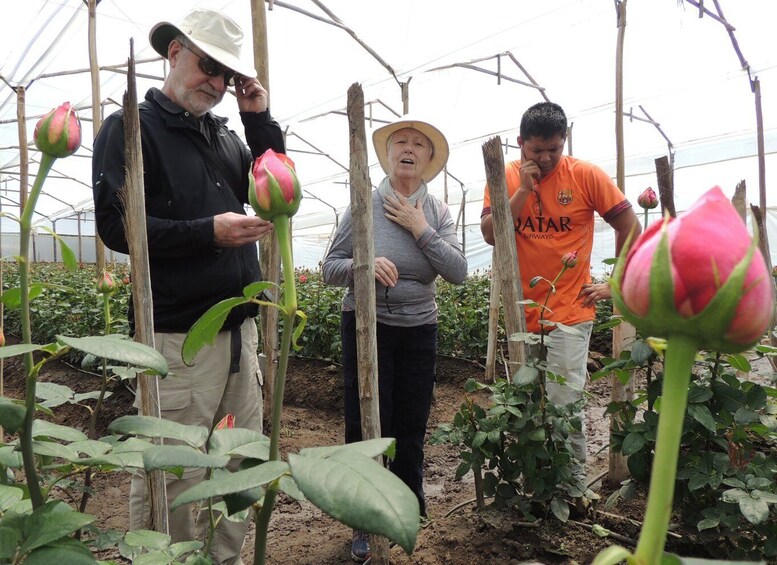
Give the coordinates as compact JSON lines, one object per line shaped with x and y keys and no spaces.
{"x":300,"y":533}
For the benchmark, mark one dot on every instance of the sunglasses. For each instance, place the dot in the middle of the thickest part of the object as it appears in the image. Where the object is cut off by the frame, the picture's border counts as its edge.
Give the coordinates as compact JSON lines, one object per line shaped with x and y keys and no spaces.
{"x":213,"y":68}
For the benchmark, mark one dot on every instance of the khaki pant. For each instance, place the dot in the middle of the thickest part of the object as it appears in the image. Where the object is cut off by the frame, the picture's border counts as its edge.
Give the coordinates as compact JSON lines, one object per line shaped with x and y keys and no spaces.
{"x":202,"y":395}
{"x":568,"y":357}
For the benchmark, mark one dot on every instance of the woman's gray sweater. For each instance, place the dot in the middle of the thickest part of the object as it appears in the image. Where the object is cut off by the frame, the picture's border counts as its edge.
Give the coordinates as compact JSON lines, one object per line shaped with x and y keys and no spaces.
{"x":437,"y":252}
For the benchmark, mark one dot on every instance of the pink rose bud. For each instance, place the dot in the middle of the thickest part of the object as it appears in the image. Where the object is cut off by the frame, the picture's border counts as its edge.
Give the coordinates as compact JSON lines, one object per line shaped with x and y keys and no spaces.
{"x":648,"y":199}
{"x":303,"y":279}
{"x":106,"y":284}
{"x":58,"y":133}
{"x":227,"y":422}
{"x":699,"y":274}
{"x":2,"y":338}
{"x":274,"y":187}
{"x":569,"y":260}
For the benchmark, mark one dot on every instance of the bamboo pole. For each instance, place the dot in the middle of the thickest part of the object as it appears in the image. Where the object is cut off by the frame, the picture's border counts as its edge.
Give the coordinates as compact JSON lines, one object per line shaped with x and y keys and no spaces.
{"x":623,"y":334}
{"x":269,"y":253}
{"x":133,"y":198}
{"x":505,"y":253}
{"x":94,"y":69}
{"x":364,"y":285}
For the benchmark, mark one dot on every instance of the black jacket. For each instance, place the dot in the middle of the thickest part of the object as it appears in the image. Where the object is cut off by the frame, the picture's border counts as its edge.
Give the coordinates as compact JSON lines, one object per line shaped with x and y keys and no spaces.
{"x":189,"y":274}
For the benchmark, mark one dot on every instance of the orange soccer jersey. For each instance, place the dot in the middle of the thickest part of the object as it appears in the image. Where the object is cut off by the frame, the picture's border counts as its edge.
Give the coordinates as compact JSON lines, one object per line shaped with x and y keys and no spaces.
{"x":557,"y":219}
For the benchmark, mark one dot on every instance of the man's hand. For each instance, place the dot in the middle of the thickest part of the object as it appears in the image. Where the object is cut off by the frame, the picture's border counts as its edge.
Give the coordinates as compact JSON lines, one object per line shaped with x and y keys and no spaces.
{"x":251,"y":95}
{"x":385,"y":272}
{"x":234,"y":230}
{"x":530,"y":172}
{"x":410,"y":217}
{"x":592,"y":293}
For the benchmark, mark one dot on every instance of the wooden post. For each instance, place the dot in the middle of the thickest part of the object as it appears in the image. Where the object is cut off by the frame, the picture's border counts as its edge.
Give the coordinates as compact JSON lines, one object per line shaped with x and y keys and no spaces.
{"x":505,"y":254}
{"x":665,"y":186}
{"x":269,"y":253}
{"x":493,"y":320}
{"x":739,"y":200}
{"x":763,"y":245}
{"x":133,"y":198}
{"x":24,"y":154}
{"x":364,"y":285}
{"x":623,"y":334}
{"x":94,"y":69}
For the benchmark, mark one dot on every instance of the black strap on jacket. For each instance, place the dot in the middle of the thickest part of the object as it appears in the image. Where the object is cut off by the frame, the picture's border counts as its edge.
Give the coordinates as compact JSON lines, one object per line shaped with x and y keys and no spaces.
{"x":211,"y":158}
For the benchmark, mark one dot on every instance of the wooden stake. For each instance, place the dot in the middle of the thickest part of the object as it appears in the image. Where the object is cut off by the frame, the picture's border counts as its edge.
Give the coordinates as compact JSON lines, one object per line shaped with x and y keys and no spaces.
{"x":624,"y":334}
{"x":133,"y":198}
{"x":505,"y":254}
{"x":269,"y":253}
{"x":763,"y":245}
{"x":665,"y":186}
{"x":94,"y":69}
{"x":364,"y":286}
{"x":493,"y":320}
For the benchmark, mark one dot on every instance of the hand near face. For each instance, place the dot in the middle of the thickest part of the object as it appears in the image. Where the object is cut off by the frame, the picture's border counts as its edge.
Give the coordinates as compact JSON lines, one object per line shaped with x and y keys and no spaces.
{"x":251,"y":95}
{"x":402,"y":212}
{"x":234,"y":230}
{"x":530,"y":172}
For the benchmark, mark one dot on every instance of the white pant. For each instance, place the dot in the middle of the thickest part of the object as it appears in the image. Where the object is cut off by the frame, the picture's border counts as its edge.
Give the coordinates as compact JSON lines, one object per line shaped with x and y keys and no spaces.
{"x":568,"y":357}
{"x":202,"y":395}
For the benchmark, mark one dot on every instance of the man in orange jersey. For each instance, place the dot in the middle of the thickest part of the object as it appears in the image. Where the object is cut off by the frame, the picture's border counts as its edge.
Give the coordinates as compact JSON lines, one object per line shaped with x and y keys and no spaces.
{"x":553,"y":198}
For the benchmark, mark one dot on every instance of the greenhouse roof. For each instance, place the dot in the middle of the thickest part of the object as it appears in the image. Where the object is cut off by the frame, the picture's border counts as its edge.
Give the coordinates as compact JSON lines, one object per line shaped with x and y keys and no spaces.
{"x":469,"y":67}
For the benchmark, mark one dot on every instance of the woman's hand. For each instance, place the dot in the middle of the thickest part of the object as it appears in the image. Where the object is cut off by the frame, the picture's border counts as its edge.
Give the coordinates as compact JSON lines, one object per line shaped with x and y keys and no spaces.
{"x":410,"y":217}
{"x":385,"y":272}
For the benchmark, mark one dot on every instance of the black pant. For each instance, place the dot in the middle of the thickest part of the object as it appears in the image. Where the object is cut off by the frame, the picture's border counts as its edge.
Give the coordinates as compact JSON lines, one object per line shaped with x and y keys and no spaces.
{"x":406,"y":359}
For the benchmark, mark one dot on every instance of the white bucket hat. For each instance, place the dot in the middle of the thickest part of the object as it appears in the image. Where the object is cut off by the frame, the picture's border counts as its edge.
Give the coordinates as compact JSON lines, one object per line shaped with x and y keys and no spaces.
{"x":380,"y":138}
{"x":215,"y":34}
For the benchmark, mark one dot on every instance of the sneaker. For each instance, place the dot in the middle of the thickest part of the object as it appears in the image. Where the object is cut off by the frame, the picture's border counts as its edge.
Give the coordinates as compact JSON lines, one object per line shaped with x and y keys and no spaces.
{"x":360,"y":546}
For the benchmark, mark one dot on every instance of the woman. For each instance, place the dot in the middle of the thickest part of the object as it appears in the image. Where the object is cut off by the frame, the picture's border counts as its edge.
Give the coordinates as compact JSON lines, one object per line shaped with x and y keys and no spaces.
{"x":415,"y":240}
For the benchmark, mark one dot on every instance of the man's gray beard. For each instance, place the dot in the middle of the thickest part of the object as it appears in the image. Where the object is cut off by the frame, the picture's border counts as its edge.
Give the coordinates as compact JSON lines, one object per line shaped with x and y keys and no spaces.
{"x":188,"y":99}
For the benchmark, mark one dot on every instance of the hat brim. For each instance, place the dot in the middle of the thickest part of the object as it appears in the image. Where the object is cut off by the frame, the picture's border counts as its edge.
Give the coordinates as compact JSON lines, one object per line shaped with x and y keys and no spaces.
{"x":163,"y":33}
{"x":381,"y":136}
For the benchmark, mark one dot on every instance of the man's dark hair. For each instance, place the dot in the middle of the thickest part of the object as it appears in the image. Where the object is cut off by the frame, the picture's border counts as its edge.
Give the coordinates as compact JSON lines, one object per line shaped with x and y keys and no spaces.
{"x":544,"y":120}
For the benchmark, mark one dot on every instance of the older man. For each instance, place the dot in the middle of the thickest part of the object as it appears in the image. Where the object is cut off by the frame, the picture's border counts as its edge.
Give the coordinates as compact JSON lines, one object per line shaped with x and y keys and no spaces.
{"x":202,"y":245}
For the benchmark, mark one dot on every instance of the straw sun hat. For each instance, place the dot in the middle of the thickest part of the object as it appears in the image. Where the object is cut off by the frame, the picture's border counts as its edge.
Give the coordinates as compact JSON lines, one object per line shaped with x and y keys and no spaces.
{"x":214,"y":33}
{"x":380,"y":138}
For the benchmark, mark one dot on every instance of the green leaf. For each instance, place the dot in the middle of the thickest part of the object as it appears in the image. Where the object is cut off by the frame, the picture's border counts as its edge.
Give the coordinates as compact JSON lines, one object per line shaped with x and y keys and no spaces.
{"x":745,"y":416}
{"x":707,"y":524}
{"x":148,"y":539}
{"x":640,"y":352}
{"x":234,"y":482}
{"x":739,"y":362}
{"x":600,"y":531}
{"x":165,"y":456}
{"x":42,"y":428}
{"x":68,"y":257}
{"x":697,"y":394}
{"x":755,"y":510}
{"x":525,"y":375}
{"x":361,"y":493}
{"x":18,"y":349}
{"x":612,"y":555}
{"x":12,"y":297}
{"x":51,"y":449}
{"x":702,"y":414}
{"x":119,"y":349}
{"x":257,"y":288}
{"x":50,"y":522}
{"x":204,"y":330}
{"x":60,"y":555}
{"x":222,"y":442}
{"x":632,"y":443}
{"x":536,"y":435}
{"x":9,"y":540}
{"x":369,"y":448}
{"x":11,"y":413}
{"x":9,"y":496}
{"x":157,"y":427}
{"x":560,"y":508}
